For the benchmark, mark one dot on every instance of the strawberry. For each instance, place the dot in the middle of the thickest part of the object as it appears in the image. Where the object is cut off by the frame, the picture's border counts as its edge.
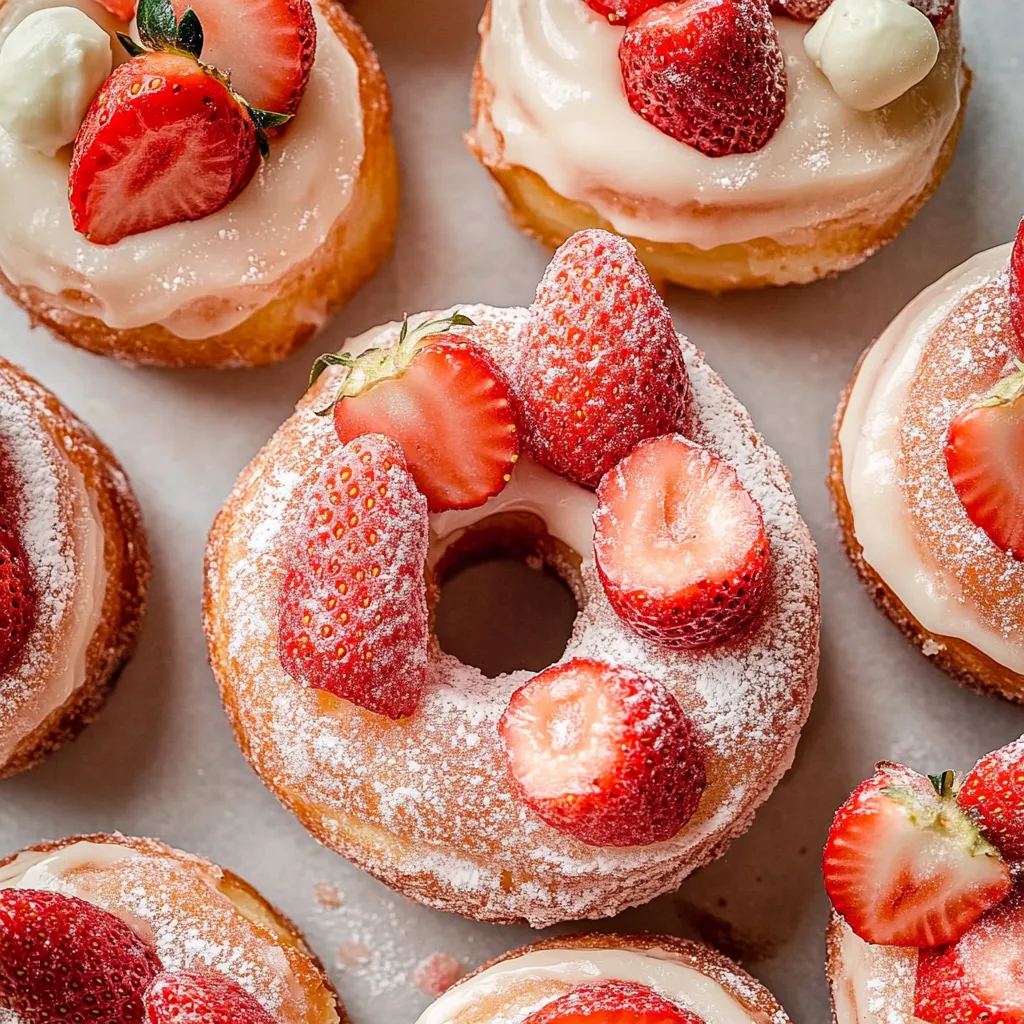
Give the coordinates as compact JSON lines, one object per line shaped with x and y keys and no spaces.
{"x":354,"y":602}
{"x":267,"y":46}
{"x":937,"y":11}
{"x":165,"y":140}
{"x":994,"y":793}
{"x":621,"y":12}
{"x":905,"y":866}
{"x":802,"y":10}
{"x":984,"y":455}
{"x":444,"y":400}
{"x":201,"y":997}
{"x":981,"y":976}
{"x":1017,"y":289}
{"x":604,"y":754}
{"x":601,"y":367}
{"x":17,"y":602}
{"x":62,"y":959}
{"x":709,"y":73}
{"x":612,"y":1002}
{"x":680,"y":544}
{"x":123,"y":10}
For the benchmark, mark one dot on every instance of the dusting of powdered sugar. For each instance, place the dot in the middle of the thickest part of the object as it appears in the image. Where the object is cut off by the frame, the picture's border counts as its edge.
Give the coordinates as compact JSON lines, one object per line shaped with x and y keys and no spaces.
{"x":439,"y":779}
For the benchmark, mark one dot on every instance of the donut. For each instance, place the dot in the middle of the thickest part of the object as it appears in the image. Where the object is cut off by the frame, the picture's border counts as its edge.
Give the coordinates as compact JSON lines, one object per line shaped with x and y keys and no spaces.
{"x":192,"y":917}
{"x":560,"y":128}
{"x":623,"y":971}
{"x":952,"y":589}
{"x":411,"y":778}
{"x":74,"y":569}
{"x":245,"y":285}
{"x":935,"y":934}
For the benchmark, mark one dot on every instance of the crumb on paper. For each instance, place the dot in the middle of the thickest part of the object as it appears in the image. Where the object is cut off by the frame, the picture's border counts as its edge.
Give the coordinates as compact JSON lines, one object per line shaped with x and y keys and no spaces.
{"x":435,"y":975}
{"x":353,"y":954}
{"x":328,"y":895}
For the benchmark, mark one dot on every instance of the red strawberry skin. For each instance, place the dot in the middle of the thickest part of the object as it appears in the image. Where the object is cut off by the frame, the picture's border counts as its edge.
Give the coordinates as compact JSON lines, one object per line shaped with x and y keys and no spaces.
{"x":603,"y":754}
{"x":612,"y":1002}
{"x":268,"y":49}
{"x":601,"y":367}
{"x":1017,"y":289}
{"x":979,"y":978}
{"x":163,"y":142}
{"x":354,"y":605}
{"x":710,"y":73}
{"x":621,"y":12}
{"x":810,"y":10}
{"x":680,"y":544}
{"x":123,"y":9}
{"x":17,"y":599}
{"x":201,"y":997}
{"x":62,"y":959}
{"x":994,"y":793}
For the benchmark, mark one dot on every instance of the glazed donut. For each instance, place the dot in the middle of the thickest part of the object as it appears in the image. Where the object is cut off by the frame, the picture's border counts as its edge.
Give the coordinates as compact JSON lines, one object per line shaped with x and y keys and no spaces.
{"x":426,"y":803}
{"x":689,"y":975}
{"x":952,"y":590}
{"x":554,"y":127}
{"x":261,"y":275}
{"x":192,"y":914}
{"x":71,"y":529}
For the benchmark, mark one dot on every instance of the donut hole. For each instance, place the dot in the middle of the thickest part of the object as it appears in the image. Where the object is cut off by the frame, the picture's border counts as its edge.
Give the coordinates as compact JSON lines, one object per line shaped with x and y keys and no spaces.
{"x":506,"y":595}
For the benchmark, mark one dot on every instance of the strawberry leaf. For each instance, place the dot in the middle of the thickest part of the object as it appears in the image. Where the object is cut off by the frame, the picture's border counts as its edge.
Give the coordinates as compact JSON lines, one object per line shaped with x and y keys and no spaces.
{"x":265,"y":119}
{"x":131,"y":47}
{"x":190,"y":34}
{"x":158,"y":27}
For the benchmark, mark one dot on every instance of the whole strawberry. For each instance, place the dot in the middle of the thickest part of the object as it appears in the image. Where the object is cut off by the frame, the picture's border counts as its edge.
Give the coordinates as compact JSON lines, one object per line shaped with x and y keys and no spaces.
{"x":612,"y":1002}
{"x":1017,"y":289}
{"x":601,"y":368}
{"x":354,"y":602}
{"x":201,"y":997}
{"x":993,"y":792}
{"x":710,"y":73}
{"x":65,"y":960}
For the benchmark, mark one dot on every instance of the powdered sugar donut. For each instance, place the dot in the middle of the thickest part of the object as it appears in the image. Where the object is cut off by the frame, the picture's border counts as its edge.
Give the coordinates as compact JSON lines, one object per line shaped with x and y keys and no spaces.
{"x":427,"y":802}
{"x":74,"y":568}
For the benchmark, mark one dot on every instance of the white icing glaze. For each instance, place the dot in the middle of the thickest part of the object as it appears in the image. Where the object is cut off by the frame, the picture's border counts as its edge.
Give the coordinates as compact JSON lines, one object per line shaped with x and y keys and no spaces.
{"x":659,"y":969}
{"x":203,"y":277}
{"x":872,"y":51}
{"x":868,"y":441}
{"x":51,"y":66}
{"x":561,"y":111}
{"x":46,"y":871}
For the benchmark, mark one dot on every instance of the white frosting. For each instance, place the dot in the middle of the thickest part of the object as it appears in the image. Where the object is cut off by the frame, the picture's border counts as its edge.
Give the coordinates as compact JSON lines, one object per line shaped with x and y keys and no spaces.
{"x":659,"y":969}
{"x":202,"y":277}
{"x":46,"y":871}
{"x":872,"y":51}
{"x":561,"y":111}
{"x":868,"y":441}
{"x":51,"y":66}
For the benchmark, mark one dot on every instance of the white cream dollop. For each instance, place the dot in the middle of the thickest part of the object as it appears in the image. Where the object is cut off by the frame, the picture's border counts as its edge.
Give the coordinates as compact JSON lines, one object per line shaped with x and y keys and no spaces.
{"x":872,"y":51}
{"x":51,"y":66}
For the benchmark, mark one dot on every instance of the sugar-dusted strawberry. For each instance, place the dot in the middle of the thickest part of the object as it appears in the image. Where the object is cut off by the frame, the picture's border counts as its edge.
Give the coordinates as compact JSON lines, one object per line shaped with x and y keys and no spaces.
{"x":201,"y":997}
{"x":905,"y":866}
{"x":354,"y":603}
{"x":993,"y":792}
{"x":604,"y":754}
{"x":444,"y":400}
{"x":267,"y":47}
{"x":17,"y":601}
{"x":612,"y":1002}
{"x":802,"y":10}
{"x":62,"y":959}
{"x":937,"y":11}
{"x":984,"y":456}
{"x":980,"y":978}
{"x":601,"y":367}
{"x":621,"y":12}
{"x":680,"y":544}
{"x":709,"y":73}
{"x":1017,"y":289}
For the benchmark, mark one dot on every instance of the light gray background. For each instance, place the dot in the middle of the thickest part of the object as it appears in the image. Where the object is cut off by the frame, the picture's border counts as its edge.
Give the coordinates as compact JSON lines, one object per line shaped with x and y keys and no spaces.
{"x":161,"y":761}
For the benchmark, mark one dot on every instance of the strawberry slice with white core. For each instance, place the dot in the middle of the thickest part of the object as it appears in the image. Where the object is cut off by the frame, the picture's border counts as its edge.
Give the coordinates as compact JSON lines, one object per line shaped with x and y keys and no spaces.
{"x":680,"y":544}
{"x":603,"y":754}
{"x":905,"y":866}
{"x":984,"y":457}
{"x":613,"y":1002}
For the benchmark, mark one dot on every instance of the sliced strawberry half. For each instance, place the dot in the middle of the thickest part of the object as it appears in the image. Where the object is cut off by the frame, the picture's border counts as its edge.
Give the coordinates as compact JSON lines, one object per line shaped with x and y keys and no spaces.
{"x":62,"y":959}
{"x":905,"y":866}
{"x":17,"y":601}
{"x":621,"y":12}
{"x":601,"y":367}
{"x":603,"y":754}
{"x":1017,"y":289}
{"x":984,"y":456}
{"x":612,"y":1002}
{"x":266,"y":46}
{"x":710,"y":73}
{"x":980,"y":978}
{"x":993,"y":792}
{"x":680,"y":544}
{"x":201,"y":997}
{"x":444,"y":400}
{"x":354,"y":601}
{"x":123,"y":10}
